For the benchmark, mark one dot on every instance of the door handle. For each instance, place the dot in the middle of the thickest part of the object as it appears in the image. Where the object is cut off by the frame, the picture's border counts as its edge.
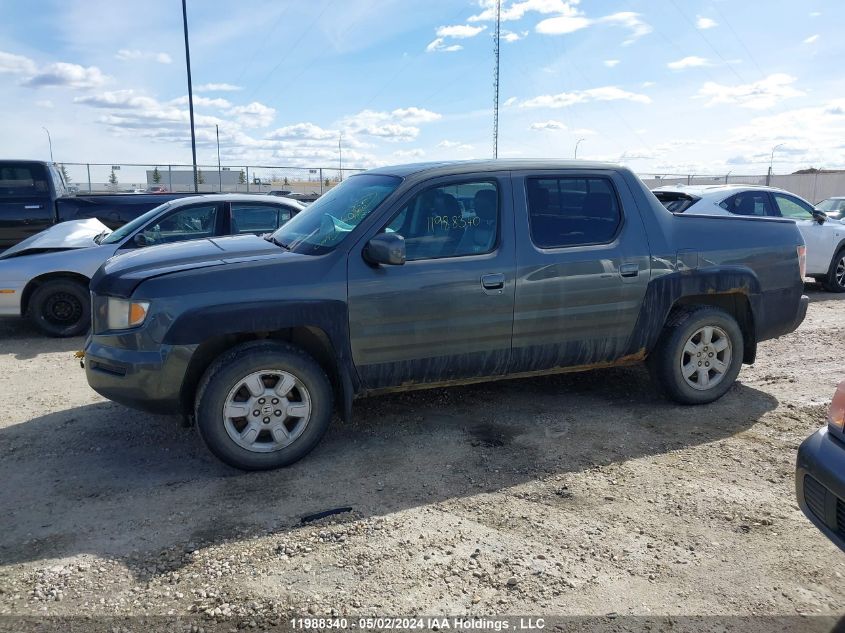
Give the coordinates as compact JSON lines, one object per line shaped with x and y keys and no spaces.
{"x":493,"y":281}
{"x":629,"y":270}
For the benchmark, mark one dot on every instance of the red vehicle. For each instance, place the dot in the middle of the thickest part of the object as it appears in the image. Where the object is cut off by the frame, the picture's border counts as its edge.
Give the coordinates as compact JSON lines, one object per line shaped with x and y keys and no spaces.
{"x":157,"y":189}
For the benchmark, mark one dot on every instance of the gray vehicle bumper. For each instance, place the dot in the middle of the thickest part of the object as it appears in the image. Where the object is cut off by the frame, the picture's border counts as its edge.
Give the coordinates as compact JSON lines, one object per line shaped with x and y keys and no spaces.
{"x":150,"y":380}
{"x":820,"y":483}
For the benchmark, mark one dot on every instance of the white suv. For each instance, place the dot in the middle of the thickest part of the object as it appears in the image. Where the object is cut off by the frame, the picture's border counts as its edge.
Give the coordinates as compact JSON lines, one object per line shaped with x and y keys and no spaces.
{"x":824,"y":237}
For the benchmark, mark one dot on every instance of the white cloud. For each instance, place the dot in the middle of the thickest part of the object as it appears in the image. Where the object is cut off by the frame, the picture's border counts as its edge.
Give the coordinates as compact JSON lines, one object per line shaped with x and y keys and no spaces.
{"x":394,"y":126}
{"x":517,"y":10}
{"x":547,"y":125}
{"x":68,"y":75}
{"x":415,"y":115}
{"x":510,"y":101}
{"x":119,"y":99}
{"x":812,"y":38}
{"x":511,"y":36}
{"x":439,"y":45}
{"x":303,"y":131}
{"x":703,"y":23}
{"x":566,"y":99}
{"x":455,"y":145}
{"x":409,"y":153}
{"x":216,"y":88}
{"x":815,"y":14}
{"x":125,"y":54}
{"x":44,"y":103}
{"x":757,"y":95}
{"x":610,"y":63}
{"x":563,"y":24}
{"x":16,"y":64}
{"x":574,"y":20}
{"x":254,"y":114}
{"x":459,"y":31}
{"x":648,"y":84}
{"x":629,"y":20}
{"x":689,"y":62}
{"x":200,"y":101}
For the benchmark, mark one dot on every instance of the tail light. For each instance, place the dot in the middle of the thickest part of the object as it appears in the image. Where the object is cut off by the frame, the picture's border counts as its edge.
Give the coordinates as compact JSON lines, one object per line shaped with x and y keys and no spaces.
{"x":802,"y":260}
{"x":836,"y":414}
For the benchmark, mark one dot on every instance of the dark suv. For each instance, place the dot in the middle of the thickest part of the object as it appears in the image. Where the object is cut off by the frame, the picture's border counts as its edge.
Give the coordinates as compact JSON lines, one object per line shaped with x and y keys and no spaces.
{"x":434,"y":274}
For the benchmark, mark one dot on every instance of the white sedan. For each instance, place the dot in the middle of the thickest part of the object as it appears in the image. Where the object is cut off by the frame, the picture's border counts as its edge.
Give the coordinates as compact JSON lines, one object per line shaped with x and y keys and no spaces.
{"x":824,"y":236}
{"x":46,"y":276}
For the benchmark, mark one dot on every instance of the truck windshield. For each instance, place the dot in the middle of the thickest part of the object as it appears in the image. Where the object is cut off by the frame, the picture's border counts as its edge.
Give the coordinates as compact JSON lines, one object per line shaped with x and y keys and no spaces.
{"x":324,"y":224}
{"x":131,"y":227}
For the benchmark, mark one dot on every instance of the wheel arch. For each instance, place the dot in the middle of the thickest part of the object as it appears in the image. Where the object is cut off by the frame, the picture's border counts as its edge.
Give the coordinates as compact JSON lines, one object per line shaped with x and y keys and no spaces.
{"x":40,"y":280}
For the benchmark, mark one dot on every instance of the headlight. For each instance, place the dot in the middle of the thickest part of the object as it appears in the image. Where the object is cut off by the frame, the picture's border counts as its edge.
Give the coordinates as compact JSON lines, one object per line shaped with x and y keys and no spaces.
{"x":123,"y":313}
{"x":836,"y":414}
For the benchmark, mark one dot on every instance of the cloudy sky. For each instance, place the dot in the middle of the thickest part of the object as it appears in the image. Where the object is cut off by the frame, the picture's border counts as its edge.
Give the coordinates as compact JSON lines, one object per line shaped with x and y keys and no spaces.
{"x":706,"y":86}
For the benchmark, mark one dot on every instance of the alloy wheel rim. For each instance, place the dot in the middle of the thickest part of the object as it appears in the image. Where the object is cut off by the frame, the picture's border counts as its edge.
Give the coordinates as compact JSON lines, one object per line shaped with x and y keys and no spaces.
{"x":839,"y":273}
{"x":267,"y":410}
{"x":706,"y":357}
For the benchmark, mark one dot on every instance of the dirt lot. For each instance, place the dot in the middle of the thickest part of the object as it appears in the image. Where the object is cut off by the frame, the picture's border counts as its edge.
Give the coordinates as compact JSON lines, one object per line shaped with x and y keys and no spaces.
{"x":574,"y":494}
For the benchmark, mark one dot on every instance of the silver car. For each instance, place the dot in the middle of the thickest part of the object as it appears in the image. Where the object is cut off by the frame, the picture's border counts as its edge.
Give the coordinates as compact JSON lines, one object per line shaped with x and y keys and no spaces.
{"x":46,"y":276}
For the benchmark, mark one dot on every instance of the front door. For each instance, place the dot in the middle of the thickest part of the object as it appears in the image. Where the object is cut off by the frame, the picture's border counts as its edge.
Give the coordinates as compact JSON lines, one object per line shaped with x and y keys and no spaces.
{"x":583,"y":272}
{"x":447,"y":313}
{"x":821,"y":239}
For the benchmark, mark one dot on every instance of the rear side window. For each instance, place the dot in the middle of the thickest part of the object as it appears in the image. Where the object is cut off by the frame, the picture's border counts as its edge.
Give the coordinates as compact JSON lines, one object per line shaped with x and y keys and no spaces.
{"x":22,"y":180}
{"x":258,"y":218}
{"x":570,"y":211}
{"x":748,"y":203}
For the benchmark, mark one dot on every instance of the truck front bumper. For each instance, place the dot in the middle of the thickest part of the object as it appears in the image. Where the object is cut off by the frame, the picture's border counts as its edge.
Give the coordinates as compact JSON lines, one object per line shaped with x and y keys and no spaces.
{"x":820,"y":484}
{"x":150,"y":380}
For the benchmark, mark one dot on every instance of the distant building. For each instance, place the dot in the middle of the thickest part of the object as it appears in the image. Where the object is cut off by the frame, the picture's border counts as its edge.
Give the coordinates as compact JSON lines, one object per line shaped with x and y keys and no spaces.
{"x":179,"y":179}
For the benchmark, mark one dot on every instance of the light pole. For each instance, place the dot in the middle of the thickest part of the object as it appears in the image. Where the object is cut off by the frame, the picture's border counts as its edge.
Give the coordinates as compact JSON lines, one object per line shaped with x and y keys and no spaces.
{"x":340,"y":155}
{"x":771,"y":163}
{"x":50,"y":141}
{"x":190,"y":94}
{"x":219,"y":170}
{"x":576,"y":147}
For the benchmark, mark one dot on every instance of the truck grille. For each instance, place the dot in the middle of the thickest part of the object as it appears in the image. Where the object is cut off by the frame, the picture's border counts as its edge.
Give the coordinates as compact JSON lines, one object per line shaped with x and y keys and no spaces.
{"x":814,"y":495}
{"x":840,"y":515}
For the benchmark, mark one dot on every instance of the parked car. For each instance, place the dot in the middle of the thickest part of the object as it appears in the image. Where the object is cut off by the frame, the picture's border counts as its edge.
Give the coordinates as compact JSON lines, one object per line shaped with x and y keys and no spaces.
{"x":279,"y":192}
{"x":833,"y":207}
{"x":820,"y":473}
{"x":157,"y":189}
{"x":384,"y":285}
{"x":46,"y":276}
{"x":33,"y":196}
{"x":824,"y":236}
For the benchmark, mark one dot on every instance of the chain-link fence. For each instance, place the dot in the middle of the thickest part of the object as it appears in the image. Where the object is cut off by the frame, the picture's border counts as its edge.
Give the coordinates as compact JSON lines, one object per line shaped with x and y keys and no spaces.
{"x":138,"y":177}
{"x":813,"y":187}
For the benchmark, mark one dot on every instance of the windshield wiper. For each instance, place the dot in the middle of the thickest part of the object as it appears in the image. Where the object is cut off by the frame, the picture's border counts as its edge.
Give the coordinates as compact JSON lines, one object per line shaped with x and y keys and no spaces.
{"x":100,"y":236}
{"x":271,"y":238}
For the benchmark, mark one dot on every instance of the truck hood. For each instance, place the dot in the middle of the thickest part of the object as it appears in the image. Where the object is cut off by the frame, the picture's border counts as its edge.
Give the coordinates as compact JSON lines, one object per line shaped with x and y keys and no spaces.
{"x":62,"y":236}
{"x":120,"y":275}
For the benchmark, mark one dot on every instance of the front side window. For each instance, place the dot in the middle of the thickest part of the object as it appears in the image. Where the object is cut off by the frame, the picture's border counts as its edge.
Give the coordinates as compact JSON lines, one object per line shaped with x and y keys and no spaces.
{"x":748,"y":203}
{"x":832,"y":205}
{"x":258,"y":218}
{"x":571,"y":211}
{"x":326,"y":223}
{"x":449,"y":221}
{"x":793,"y":208}
{"x":186,"y":223}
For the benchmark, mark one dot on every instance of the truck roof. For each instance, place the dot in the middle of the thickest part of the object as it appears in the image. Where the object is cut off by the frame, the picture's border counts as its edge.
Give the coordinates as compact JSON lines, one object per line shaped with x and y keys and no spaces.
{"x":500,"y":164}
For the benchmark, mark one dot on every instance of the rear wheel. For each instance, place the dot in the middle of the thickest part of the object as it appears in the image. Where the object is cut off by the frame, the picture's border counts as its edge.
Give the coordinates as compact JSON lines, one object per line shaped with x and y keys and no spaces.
{"x":699,"y":355}
{"x":835,"y":280}
{"x":61,"y":307}
{"x":263,"y":405}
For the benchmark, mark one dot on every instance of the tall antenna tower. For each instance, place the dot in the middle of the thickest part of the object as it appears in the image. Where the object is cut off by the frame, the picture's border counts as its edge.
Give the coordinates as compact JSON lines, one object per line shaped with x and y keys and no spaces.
{"x":496,"y":79}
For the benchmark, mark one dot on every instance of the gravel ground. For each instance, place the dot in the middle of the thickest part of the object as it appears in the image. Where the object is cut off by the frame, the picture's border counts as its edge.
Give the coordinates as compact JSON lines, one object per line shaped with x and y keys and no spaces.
{"x":573,"y":494}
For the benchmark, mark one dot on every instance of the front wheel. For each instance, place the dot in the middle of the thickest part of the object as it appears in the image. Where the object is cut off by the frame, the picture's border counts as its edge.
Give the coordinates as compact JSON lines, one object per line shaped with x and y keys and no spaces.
{"x":835,"y":280}
{"x":61,"y":307}
{"x":263,"y":405}
{"x":698,"y":356}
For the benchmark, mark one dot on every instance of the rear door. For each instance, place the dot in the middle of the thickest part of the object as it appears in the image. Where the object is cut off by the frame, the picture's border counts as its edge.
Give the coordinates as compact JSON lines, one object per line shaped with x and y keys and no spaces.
{"x":582,"y":269}
{"x":447,"y":313}
{"x":26,"y":203}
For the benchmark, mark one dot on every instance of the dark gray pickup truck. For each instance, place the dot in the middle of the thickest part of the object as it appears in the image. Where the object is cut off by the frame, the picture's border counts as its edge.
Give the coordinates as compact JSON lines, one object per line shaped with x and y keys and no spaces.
{"x":33,"y":197}
{"x":436,"y":274}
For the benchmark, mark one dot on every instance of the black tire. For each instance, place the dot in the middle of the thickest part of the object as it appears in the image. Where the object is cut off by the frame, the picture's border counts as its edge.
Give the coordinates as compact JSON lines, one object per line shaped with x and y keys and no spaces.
{"x":228,"y":370}
{"x":60,"y":308}
{"x":835,"y":279}
{"x":666,"y":359}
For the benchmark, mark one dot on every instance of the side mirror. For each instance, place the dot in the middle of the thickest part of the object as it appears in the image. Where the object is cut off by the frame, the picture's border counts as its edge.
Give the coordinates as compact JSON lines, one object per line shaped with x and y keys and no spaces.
{"x":386,"y":248}
{"x":141,"y":240}
{"x":819,"y":216}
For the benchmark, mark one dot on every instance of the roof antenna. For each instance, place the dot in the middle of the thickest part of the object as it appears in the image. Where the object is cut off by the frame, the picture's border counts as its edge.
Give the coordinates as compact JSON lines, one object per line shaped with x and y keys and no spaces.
{"x":496,"y":79}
